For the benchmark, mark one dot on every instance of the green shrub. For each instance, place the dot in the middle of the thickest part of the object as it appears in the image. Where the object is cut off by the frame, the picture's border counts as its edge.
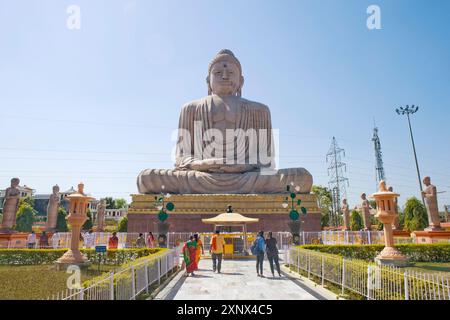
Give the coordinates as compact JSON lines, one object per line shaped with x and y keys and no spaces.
{"x":356,"y":222}
{"x":123,"y":224}
{"x":88,"y":224}
{"x":48,"y":256}
{"x":439,"y":252}
{"x":61,"y":223}
{"x":25,"y":218}
{"x":415,"y":215}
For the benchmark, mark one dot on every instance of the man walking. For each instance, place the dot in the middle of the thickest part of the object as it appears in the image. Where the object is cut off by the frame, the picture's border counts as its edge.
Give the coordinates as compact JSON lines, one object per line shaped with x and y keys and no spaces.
{"x":217,"y":250}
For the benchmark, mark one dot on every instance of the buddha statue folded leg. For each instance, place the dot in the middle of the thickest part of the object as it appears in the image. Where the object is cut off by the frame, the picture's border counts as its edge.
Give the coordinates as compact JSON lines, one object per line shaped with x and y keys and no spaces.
{"x":196,"y":182}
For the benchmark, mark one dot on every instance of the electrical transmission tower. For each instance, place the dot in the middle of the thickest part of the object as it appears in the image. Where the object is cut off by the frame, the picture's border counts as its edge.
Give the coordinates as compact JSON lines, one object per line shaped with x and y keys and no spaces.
{"x":379,"y":168}
{"x":337,"y":180}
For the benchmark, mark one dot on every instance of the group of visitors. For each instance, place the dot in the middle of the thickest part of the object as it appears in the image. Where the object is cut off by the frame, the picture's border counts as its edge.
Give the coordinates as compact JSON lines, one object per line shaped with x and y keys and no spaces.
{"x":32,"y":240}
{"x":261,"y":247}
{"x":192,"y":251}
{"x":141,"y":242}
{"x":266,"y":246}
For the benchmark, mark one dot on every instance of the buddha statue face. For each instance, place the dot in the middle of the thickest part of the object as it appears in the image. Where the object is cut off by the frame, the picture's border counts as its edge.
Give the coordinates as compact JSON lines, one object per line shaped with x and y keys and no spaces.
{"x":55,"y":189}
{"x":225,"y":75}
{"x":225,"y":78}
{"x":15,"y":182}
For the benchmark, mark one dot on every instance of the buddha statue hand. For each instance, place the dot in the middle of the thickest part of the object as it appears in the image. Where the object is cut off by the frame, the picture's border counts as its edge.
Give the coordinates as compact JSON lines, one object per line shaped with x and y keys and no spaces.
{"x":219,"y":166}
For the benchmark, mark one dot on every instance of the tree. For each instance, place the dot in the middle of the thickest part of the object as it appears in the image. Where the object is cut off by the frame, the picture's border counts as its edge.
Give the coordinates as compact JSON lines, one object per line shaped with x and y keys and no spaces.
{"x":120,"y":203}
{"x":324,"y":201}
{"x":123,"y":225}
{"x":356,"y":222}
{"x":415,"y":215}
{"x":27,"y":200}
{"x":88,"y":224}
{"x":109,"y":203}
{"x":25,"y":218}
{"x":61,"y":222}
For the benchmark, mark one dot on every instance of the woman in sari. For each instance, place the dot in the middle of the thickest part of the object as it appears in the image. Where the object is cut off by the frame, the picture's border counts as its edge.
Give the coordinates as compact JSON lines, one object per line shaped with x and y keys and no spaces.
{"x":199,"y":251}
{"x":189,"y":255}
{"x":150,"y":240}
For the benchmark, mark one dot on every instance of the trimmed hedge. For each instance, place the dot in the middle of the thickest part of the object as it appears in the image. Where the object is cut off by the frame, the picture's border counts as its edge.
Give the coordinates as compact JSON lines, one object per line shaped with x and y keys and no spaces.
{"x":123,"y":275}
{"x":48,"y":256}
{"x":439,"y":252}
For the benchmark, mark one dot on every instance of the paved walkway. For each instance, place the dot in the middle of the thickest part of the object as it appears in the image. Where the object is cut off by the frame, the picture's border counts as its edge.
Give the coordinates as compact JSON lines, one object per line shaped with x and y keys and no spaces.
{"x":237,"y":281}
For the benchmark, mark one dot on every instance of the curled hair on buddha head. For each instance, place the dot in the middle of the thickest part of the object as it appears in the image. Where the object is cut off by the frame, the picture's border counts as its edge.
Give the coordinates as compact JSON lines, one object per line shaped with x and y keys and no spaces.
{"x":226,"y":54}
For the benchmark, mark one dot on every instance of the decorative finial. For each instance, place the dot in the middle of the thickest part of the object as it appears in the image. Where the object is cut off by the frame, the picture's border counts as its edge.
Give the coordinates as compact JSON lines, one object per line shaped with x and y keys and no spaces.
{"x":382,"y":186}
{"x":81,"y":188}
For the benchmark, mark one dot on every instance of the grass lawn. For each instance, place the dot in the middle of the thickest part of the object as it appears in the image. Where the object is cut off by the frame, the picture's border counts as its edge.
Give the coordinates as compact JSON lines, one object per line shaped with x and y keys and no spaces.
{"x":39,"y":281}
{"x":430,"y":267}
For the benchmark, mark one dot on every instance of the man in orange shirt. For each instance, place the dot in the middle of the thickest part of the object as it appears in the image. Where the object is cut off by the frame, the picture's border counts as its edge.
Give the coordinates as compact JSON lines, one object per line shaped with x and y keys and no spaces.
{"x":217,"y":249}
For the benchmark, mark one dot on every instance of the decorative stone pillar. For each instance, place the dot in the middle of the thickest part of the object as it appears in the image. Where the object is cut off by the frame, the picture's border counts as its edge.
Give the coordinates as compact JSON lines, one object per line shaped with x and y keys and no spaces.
{"x":386,"y":213}
{"x":77,"y":216}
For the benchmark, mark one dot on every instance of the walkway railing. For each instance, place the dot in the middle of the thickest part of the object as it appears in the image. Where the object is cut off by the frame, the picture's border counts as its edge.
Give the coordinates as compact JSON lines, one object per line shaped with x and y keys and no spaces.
{"x":128,"y":283}
{"x":369,"y":280}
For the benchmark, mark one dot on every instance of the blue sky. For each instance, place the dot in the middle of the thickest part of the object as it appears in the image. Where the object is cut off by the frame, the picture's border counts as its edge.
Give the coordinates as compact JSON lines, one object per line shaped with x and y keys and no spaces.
{"x":99,"y":104}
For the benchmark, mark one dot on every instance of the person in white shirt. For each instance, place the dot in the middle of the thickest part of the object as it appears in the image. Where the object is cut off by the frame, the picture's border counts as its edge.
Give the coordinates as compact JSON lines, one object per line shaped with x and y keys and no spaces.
{"x":31,"y":240}
{"x":89,"y":239}
{"x":55,"y":240}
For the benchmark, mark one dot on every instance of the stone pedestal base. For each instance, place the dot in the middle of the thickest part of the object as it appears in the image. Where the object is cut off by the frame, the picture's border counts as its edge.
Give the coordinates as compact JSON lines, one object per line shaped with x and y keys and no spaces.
{"x":433,"y":228}
{"x":13,"y":240}
{"x":72,"y":258}
{"x":391,"y":257}
{"x":7,"y":231}
{"x":401,"y":233}
{"x":431,"y":236}
{"x":190,"y":209}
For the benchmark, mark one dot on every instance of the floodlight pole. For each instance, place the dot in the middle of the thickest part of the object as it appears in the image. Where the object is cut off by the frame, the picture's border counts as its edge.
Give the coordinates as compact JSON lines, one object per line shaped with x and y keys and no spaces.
{"x":408,"y":111}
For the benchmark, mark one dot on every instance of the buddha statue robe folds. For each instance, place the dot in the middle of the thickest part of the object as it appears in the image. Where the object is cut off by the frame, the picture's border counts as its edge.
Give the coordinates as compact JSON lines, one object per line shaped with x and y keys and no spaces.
{"x":225,"y":144}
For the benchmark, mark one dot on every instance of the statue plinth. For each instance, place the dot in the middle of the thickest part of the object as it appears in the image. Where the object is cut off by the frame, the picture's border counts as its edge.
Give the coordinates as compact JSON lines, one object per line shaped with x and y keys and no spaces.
{"x":427,"y":237}
{"x":192,"y":208}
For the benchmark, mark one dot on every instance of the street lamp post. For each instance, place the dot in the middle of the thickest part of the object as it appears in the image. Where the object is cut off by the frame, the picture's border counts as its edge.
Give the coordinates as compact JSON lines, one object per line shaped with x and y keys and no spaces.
{"x":411,"y":110}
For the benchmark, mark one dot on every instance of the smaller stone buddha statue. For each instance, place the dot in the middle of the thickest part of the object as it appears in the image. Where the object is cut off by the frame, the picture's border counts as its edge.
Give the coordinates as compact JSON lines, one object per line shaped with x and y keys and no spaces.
{"x":365,"y":211}
{"x":430,"y":196}
{"x":10,"y":206}
{"x":345,"y":214}
{"x":52,"y":209}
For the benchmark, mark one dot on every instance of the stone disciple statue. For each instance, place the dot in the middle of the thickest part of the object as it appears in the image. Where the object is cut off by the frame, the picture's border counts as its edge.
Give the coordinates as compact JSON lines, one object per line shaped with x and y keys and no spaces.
{"x":346,"y":214}
{"x":365,"y":211}
{"x":10,"y":206}
{"x":52,"y":209}
{"x":101,"y":208}
{"x":430,"y":196}
{"x":225,"y":143}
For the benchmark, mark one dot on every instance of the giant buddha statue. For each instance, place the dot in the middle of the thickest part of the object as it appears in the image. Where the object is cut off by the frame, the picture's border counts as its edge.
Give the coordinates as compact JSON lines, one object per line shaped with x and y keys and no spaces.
{"x":225,"y":143}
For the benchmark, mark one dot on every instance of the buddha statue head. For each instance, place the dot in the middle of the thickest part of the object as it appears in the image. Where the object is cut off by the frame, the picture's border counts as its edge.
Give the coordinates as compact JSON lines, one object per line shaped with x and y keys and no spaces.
{"x":15,"y":182}
{"x":55,"y":189}
{"x":225,"y":75}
